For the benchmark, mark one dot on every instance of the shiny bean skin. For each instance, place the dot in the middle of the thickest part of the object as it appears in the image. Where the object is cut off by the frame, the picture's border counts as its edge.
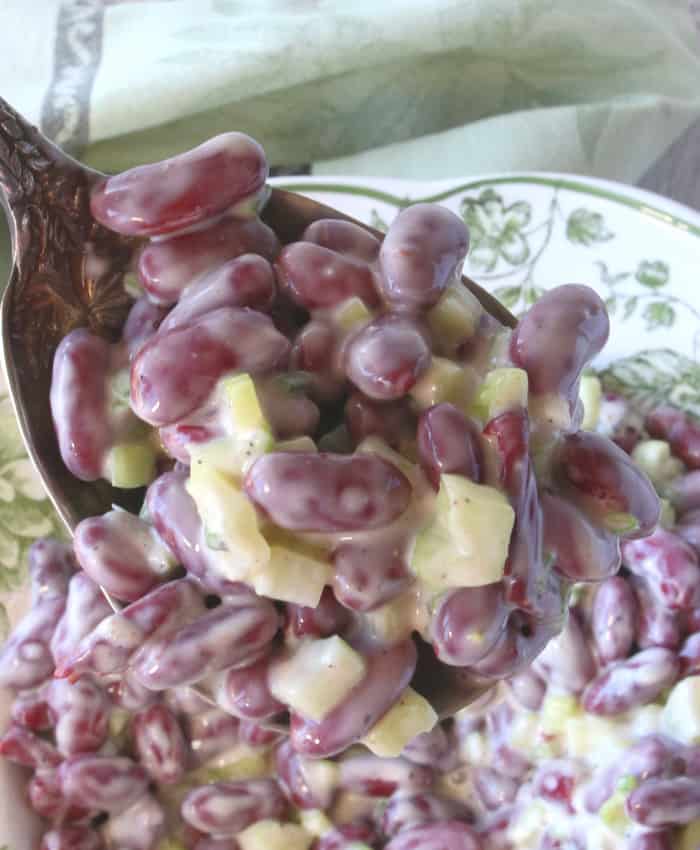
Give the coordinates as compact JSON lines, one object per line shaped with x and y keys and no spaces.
{"x":317,"y":277}
{"x":164,"y":197}
{"x":689,"y":655}
{"x":226,"y":808}
{"x":218,"y":639}
{"x":570,"y":320}
{"x":670,"y":424}
{"x":448,"y":442}
{"x":79,"y":402}
{"x":327,"y":492}
{"x":421,"y":255}
{"x":160,"y":744}
{"x":25,"y":658}
{"x":328,"y":618}
{"x":246,"y":281}
{"x":684,"y":492}
{"x":32,"y":710}
{"x":110,"y":646}
{"x":368,"y":575}
{"x":244,"y":692}
{"x":24,"y":747}
{"x":175,"y":372}
{"x":605,"y":482}
{"x":567,"y":662}
{"x":348,"y":836}
{"x":630,"y":683}
{"x":495,"y":790}
{"x":203,"y":425}
{"x":140,"y":827}
{"x":656,"y":624}
{"x":186,"y":701}
{"x":128,"y":694}
{"x":47,"y":800}
{"x":51,"y":567}
{"x":210,"y":733}
{"x":290,"y":412}
{"x":345,"y":237}
{"x":103,"y":783}
{"x":257,"y":736}
{"x":651,"y":841}
{"x":71,"y":838}
{"x":388,"y":420}
{"x":143,"y":321}
{"x":299,"y":783}
{"x":668,"y":564}
{"x":584,"y":552}
{"x":429,"y":748}
{"x":528,"y":689}
{"x":389,"y":672}
{"x":315,"y":352}
{"x":688,"y":527}
{"x":467,"y":623}
{"x":386,"y":357}
{"x":665,"y":802}
{"x":86,"y":607}
{"x":382,"y":777}
{"x":404,"y":811}
{"x":613,"y":619}
{"x":82,"y":715}
{"x":167,"y":268}
{"x":446,"y":835}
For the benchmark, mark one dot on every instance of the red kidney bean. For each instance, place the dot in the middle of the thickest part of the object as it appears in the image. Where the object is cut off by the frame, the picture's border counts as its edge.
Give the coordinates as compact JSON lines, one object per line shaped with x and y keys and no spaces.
{"x":110,"y":646}
{"x":220,"y":638}
{"x":317,"y":277}
{"x":389,"y":671}
{"x":175,"y":372}
{"x":467,"y":623}
{"x":301,"y":785}
{"x":583,"y":551}
{"x":493,"y":788}
{"x":71,"y":838}
{"x":167,"y":268}
{"x":528,"y":689}
{"x":257,"y":736}
{"x":689,"y":655}
{"x":421,"y":255}
{"x":510,"y":762}
{"x":25,"y":658}
{"x":86,"y":607}
{"x":613,"y":619}
{"x":203,"y":425}
{"x":428,"y":748}
{"x":328,"y":618}
{"x":668,"y":564}
{"x":103,"y":783}
{"x":555,"y":781}
{"x":656,"y":625}
{"x":82,"y":715}
{"x":604,"y":481}
{"x":627,"y":684}
{"x":327,"y":492}
{"x":389,"y":420}
{"x":570,"y":320}
{"x":691,"y":760}
{"x":244,"y":692}
{"x":382,"y":777}
{"x":143,"y":321}
{"x":164,"y":197}
{"x":160,"y":744}
{"x":345,"y":237}
{"x":315,"y":352}
{"x":51,"y":566}
{"x":24,"y":747}
{"x":32,"y":710}
{"x":79,"y":404}
{"x":128,"y":694}
{"x":217,"y":844}
{"x":121,"y":553}
{"x":226,"y":808}
{"x":386,"y":357}
{"x":445,"y":835}
{"x":665,"y":802}
{"x":367,"y":575}
{"x":246,"y":281}
{"x":210,"y":733}
{"x":448,"y":442}
{"x":404,"y":811}
{"x":290,"y":412}
{"x":140,"y":827}
{"x":651,"y":841}
{"x":348,"y":836}
{"x":47,"y":800}
{"x":567,"y":662}
{"x":684,"y":492}
{"x":186,"y":701}
{"x":670,"y":424}
{"x":688,"y":527}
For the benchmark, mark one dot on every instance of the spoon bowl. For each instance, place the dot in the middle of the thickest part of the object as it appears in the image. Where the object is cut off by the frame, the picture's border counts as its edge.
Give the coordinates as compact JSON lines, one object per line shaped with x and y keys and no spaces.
{"x":68,"y":272}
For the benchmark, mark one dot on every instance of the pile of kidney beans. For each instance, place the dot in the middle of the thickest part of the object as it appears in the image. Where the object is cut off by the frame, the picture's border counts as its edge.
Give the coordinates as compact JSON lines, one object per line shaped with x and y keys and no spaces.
{"x":106,"y":713}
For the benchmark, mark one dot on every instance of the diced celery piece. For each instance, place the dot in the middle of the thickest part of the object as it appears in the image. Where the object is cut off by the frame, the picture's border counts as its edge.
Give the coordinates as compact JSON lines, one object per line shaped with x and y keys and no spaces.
{"x":351,"y":314}
{"x":131,"y":465}
{"x":467,"y":544}
{"x":132,"y":285}
{"x":654,"y":457}
{"x":242,"y":404}
{"x":317,"y":676}
{"x":230,"y":455}
{"x":292,"y":576}
{"x":394,"y":621}
{"x":272,"y":835}
{"x":244,"y":763}
{"x":296,"y":444}
{"x":680,"y":718}
{"x":667,"y":519}
{"x":455,"y":318}
{"x":315,"y":821}
{"x":589,"y":736}
{"x":613,"y":813}
{"x":556,"y":712}
{"x":689,"y":838}
{"x":501,"y":390}
{"x":409,"y":717}
{"x":591,"y":394}
{"x":621,"y":523}
{"x":445,"y":380}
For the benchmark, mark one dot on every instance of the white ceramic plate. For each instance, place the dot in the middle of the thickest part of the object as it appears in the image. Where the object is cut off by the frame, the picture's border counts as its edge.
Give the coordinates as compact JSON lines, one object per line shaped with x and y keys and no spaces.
{"x":529,"y":232}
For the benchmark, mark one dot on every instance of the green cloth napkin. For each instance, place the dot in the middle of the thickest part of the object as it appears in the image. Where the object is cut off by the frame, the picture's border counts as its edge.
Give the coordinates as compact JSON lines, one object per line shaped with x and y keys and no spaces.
{"x":404,"y":88}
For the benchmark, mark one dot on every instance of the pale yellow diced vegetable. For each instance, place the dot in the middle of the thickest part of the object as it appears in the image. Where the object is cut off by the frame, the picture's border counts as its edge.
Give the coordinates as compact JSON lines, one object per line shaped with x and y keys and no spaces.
{"x":272,"y":835}
{"x":591,"y":395}
{"x":680,"y":718}
{"x":655,"y":458}
{"x":315,"y":822}
{"x":455,"y":318}
{"x":240,"y":399}
{"x":131,"y":464}
{"x":445,"y":380}
{"x":689,"y":838}
{"x":351,"y":314}
{"x":292,"y":576}
{"x":501,"y":390}
{"x":409,"y":717}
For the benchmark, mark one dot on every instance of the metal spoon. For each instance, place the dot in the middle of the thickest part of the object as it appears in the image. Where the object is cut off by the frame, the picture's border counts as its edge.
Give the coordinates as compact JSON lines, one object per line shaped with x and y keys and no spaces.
{"x":53,"y":289}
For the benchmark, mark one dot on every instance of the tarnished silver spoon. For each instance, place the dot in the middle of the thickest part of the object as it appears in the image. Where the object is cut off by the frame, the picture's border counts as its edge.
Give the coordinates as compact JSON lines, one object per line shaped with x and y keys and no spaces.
{"x":57,"y":284}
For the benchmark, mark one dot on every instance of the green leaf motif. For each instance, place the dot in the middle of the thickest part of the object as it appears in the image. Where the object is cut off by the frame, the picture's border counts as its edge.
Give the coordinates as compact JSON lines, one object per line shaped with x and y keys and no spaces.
{"x":653,"y":273}
{"x":496,"y":230}
{"x":508,"y":295}
{"x":585,"y":227}
{"x":611,"y":304}
{"x":630,"y":307}
{"x":377,"y":222}
{"x":658,"y":314}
